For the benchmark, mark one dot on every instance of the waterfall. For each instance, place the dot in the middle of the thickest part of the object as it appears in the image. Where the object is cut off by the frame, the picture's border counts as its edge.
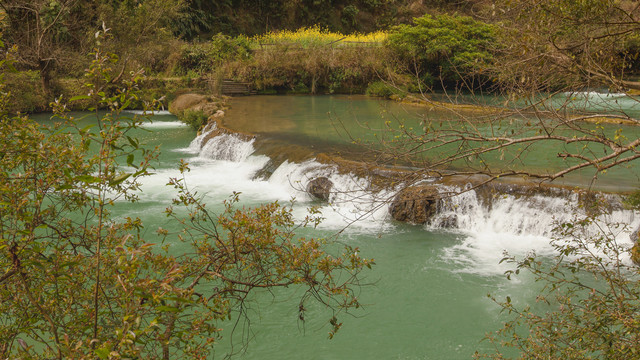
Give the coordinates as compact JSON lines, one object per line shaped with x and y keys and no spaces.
{"x":227,"y":147}
{"x":351,"y":202}
{"x":224,"y":146}
{"x":517,"y":225}
{"x":163,"y":125}
{"x":196,"y":144}
{"x":486,"y":227}
{"x":150,"y":112}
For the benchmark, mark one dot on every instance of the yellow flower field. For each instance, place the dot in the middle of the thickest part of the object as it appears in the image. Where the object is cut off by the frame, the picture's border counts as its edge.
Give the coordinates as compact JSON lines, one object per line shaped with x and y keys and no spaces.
{"x":315,"y":36}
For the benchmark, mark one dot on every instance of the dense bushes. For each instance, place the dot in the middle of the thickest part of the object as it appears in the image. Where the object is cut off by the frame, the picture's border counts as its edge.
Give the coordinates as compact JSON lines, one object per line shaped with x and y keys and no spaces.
{"x":447,"y":47}
{"x":200,"y":58}
{"x":314,"y":70}
{"x":25,"y":92}
{"x":203,"y":18}
{"x":434,"y":50}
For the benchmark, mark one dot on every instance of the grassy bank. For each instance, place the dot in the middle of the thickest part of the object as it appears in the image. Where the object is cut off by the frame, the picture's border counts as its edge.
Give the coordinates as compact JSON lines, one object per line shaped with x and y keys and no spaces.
{"x":26,"y":94}
{"x":306,"y":61}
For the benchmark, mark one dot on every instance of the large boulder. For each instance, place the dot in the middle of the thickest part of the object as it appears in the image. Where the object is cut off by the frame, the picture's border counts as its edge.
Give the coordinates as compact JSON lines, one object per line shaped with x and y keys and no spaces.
{"x":208,"y":105}
{"x":415,"y":204}
{"x":320,"y":188}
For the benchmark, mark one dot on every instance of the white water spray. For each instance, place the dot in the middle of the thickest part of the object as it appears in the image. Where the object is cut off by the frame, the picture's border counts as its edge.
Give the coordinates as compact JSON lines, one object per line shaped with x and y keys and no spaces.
{"x":515,"y":225}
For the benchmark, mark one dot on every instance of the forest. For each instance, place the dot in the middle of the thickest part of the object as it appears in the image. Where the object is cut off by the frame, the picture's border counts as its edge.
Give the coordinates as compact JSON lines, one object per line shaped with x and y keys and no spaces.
{"x":521,"y":105}
{"x":194,"y":43}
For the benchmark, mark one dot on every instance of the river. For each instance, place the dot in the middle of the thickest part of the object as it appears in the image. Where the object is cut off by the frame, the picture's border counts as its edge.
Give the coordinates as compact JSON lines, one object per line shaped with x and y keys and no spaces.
{"x":427,"y":297}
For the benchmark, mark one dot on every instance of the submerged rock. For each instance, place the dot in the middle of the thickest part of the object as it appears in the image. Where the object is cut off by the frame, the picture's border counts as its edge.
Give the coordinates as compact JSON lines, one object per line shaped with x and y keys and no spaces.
{"x":448,"y":222}
{"x":320,"y":188}
{"x":415,"y":204}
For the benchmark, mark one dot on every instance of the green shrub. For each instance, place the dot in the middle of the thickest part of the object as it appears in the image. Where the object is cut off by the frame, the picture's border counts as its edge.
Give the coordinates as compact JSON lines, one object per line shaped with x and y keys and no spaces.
{"x":25,"y":92}
{"x":201,"y":58}
{"x":194,"y":57}
{"x":300,"y":88}
{"x":450,"y":46}
{"x":224,"y":48}
{"x":195,"y":118}
{"x":383,"y":90}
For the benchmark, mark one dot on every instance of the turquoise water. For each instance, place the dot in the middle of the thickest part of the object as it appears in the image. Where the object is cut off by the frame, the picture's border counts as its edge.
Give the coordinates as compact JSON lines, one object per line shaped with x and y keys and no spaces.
{"x":426,"y":298}
{"x":332,"y":123}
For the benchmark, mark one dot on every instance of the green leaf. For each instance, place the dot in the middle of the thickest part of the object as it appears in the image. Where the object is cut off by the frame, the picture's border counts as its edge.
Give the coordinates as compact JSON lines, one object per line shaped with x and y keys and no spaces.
{"x":133,"y":142}
{"x":119,"y":179}
{"x":80,"y":97}
{"x":163,"y":308}
{"x":102,"y":353}
{"x":88,"y":179}
{"x":130,"y":159}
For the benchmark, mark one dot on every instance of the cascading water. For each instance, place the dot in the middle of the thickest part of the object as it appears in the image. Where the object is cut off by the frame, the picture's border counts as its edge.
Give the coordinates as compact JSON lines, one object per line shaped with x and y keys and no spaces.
{"x":511,"y":223}
{"x":516,"y":225}
{"x":429,"y":300}
{"x":351,"y":201}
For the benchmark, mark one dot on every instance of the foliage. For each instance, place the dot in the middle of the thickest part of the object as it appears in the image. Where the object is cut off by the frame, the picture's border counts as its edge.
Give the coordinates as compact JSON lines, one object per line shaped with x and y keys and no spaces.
{"x":50,"y":33}
{"x":383,"y":89}
{"x":206,"y":57}
{"x":194,"y":118}
{"x":588,"y":306}
{"x":316,"y":36}
{"x":228,"y":48}
{"x":318,"y":69}
{"x":76,"y":282}
{"x":202,"y":18}
{"x":26,"y":93}
{"x":589,"y":44}
{"x":233,"y":17}
{"x":447,"y":46}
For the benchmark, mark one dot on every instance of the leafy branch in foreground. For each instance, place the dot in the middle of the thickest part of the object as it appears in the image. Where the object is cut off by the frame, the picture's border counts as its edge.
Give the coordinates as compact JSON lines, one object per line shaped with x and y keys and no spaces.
{"x":242,"y":250}
{"x":77,"y":282}
{"x":552,"y":116}
{"x":589,"y":302}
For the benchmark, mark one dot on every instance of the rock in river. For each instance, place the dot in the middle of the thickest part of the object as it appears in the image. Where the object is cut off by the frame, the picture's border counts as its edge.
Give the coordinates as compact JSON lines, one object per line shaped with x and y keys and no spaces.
{"x":320,"y":188}
{"x":415,"y":204}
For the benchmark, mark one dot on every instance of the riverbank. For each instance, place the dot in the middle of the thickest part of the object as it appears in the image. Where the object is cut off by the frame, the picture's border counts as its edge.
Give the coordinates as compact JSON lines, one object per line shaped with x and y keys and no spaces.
{"x":26,"y":94}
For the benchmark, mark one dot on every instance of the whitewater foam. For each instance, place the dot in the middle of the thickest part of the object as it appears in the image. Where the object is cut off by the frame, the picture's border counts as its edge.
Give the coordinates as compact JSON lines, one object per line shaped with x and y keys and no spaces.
{"x":485,"y":228}
{"x":149,"y":112}
{"x":163,"y":124}
{"x":515,"y":225}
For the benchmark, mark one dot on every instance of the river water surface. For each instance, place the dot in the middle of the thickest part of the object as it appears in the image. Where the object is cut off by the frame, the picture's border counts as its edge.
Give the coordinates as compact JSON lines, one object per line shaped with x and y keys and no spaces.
{"x":427,"y":297}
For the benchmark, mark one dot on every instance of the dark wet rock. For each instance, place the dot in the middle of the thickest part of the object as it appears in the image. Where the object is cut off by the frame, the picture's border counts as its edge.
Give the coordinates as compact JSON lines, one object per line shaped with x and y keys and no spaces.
{"x":415,"y":204}
{"x":267,"y":170}
{"x":320,"y":188}
{"x":448,"y":222}
{"x":635,"y":235}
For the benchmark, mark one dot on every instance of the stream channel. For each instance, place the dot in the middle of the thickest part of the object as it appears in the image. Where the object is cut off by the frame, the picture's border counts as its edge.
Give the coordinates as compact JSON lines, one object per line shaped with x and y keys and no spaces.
{"x":428,"y":293}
